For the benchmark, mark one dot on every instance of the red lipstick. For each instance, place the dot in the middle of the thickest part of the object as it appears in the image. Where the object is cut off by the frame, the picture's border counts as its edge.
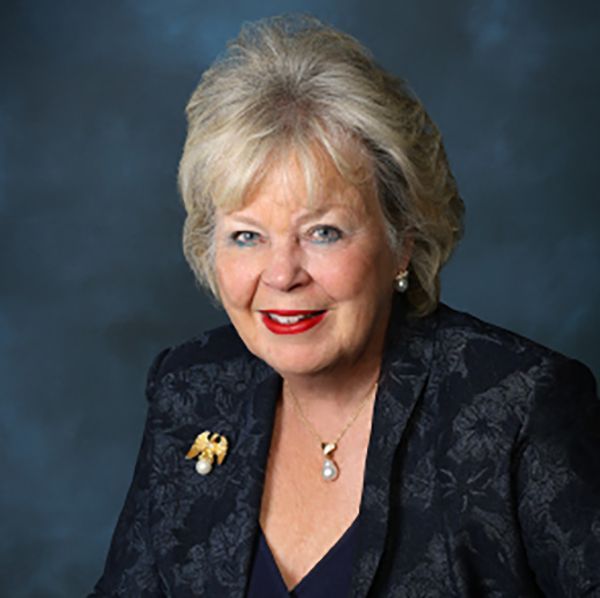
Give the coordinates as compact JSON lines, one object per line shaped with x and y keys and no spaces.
{"x":287,"y":321}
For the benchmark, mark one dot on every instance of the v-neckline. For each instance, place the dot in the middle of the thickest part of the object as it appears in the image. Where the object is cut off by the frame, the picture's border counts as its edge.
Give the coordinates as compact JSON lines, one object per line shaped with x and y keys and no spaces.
{"x":316,"y":567}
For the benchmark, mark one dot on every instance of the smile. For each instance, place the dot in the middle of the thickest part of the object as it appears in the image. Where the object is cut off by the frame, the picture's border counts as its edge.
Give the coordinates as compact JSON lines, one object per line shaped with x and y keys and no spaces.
{"x":291,"y":321}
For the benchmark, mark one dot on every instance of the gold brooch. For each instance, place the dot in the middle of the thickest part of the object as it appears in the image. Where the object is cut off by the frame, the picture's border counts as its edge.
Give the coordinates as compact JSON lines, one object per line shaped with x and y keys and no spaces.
{"x":206,"y":447}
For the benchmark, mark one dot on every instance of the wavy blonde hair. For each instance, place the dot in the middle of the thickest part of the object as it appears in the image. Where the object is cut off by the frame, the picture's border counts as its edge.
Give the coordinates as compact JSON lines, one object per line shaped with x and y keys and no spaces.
{"x":286,"y":83}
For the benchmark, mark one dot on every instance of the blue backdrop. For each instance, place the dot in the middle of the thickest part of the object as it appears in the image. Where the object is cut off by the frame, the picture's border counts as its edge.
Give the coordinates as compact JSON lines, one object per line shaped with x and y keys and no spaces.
{"x":93,"y":281}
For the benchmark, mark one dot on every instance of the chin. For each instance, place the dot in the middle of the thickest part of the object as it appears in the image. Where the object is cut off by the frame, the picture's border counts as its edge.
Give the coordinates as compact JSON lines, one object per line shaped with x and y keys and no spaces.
{"x":296,"y":362}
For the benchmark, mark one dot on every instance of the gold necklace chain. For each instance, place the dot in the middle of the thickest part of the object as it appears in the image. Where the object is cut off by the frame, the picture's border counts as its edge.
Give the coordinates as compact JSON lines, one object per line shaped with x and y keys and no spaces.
{"x":346,"y":427}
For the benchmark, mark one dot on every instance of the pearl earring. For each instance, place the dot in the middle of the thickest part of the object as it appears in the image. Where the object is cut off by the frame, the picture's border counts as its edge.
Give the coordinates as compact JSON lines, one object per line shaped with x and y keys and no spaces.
{"x":401,"y":282}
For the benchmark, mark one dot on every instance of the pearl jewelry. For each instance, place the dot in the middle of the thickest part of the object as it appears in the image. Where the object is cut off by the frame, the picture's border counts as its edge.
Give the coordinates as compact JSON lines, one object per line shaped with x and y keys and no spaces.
{"x":206,"y":447}
{"x":401,"y":282}
{"x":329,"y":471}
{"x":203,"y":467}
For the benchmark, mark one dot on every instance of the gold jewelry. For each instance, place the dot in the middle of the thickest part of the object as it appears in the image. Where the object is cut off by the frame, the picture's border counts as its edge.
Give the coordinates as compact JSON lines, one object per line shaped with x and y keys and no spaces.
{"x":206,"y":448}
{"x":330,"y":471}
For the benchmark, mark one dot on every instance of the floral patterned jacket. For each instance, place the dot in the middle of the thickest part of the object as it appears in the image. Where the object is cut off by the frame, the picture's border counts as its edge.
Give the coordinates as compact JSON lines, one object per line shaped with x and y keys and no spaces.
{"x":482,"y":475}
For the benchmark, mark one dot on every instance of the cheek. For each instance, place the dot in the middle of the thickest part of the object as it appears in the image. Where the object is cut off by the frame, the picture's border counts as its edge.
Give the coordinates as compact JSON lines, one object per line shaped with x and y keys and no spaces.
{"x":338,"y":280}
{"x":236,"y":281}
{"x":360,"y":272}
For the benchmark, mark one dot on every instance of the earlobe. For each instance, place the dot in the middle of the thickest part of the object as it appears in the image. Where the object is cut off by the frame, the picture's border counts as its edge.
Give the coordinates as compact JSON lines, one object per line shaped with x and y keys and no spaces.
{"x":401,"y":278}
{"x":406,"y":252}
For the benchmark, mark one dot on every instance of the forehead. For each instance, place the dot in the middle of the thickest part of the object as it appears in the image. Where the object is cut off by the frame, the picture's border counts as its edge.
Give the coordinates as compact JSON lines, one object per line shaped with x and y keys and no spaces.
{"x":311,"y":181}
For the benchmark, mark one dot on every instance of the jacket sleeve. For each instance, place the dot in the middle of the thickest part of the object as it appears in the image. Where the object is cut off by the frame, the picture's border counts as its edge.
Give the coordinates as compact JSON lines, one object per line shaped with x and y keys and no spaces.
{"x":130,"y":570}
{"x":558,"y":489}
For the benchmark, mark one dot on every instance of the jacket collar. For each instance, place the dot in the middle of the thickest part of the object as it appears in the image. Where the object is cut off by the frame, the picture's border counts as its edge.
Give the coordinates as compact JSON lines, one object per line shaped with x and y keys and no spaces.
{"x":405,"y":371}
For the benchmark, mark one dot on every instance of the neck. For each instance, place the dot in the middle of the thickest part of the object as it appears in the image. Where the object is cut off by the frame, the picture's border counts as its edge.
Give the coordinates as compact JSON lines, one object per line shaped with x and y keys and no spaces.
{"x":343,"y":385}
{"x":330,"y":399}
{"x":335,"y":389}
{"x":333,"y":394}
{"x":328,"y":420}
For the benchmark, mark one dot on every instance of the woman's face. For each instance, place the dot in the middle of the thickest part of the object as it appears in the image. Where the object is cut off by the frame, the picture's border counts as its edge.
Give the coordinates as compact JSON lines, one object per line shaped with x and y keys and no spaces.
{"x":308,"y":286}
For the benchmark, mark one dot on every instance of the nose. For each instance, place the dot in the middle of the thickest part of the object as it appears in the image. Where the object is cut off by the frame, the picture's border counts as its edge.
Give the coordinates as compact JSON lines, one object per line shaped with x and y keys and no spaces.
{"x":284,"y":269}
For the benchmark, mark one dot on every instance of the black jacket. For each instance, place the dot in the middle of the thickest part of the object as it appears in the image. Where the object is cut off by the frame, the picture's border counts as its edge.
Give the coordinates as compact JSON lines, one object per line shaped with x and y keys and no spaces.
{"x":482,"y":475}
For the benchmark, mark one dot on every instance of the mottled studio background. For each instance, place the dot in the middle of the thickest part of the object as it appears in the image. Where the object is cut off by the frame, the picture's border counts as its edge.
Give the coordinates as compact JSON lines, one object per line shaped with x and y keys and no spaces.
{"x":93,"y":283}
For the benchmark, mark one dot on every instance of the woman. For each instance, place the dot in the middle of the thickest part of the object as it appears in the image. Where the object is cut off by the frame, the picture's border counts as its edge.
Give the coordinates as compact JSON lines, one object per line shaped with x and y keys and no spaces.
{"x":348,"y":435}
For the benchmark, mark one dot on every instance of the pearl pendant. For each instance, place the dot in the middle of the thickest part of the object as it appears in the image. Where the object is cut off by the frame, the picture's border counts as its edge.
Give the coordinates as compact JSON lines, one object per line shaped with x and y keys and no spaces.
{"x":329,"y":471}
{"x":203,"y":466}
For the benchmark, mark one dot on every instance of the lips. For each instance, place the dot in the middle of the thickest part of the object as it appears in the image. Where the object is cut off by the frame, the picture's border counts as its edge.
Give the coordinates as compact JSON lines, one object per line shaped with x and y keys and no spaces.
{"x":285,"y":321}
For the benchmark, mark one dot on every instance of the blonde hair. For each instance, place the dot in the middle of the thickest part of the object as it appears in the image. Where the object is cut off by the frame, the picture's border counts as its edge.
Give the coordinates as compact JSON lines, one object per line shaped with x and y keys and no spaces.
{"x":288,"y":83}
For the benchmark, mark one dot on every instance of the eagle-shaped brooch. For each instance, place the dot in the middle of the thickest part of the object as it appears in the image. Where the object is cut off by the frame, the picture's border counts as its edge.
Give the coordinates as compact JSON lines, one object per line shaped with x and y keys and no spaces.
{"x":206,"y":447}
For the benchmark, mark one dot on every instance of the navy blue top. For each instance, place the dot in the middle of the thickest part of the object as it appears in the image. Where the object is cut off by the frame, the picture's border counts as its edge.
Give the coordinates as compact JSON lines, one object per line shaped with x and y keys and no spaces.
{"x":329,"y":577}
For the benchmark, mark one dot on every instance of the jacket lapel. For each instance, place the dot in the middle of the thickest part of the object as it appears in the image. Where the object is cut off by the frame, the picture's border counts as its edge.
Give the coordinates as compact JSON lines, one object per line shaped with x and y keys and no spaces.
{"x":405,"y":370}
{"x":204,"y":527}
{"x":232,"y":539}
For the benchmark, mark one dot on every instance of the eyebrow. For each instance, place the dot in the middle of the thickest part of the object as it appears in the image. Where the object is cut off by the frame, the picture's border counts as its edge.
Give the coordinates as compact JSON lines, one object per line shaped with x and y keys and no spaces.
{"x":307,"y":216}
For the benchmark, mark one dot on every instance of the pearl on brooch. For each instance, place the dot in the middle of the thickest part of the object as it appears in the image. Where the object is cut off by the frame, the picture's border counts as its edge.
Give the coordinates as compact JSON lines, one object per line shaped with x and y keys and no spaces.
{"x":203,"y":466}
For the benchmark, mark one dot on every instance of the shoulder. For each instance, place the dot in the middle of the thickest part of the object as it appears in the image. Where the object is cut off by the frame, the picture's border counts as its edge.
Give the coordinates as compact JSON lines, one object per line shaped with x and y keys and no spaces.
{"x":468,"y":344}
{"x":476,"y":362}
{"x":217,"y":353}
{"x":219,"y":344}
{"x":469,"y":332}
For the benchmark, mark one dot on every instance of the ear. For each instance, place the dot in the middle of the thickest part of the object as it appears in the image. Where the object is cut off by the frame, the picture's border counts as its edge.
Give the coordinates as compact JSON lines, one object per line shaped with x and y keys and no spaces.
{"x":405,"y":253}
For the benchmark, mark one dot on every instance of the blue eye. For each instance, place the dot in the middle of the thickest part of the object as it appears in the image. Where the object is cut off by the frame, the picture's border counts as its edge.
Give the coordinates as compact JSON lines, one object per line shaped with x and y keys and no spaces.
{"x":245,"y":238}
{"x":325,"y":234}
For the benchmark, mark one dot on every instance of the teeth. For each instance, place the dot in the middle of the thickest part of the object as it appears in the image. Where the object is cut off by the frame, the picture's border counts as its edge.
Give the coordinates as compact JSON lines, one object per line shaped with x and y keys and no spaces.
{"x":288,"y":319}
{"x":291,"y":319}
